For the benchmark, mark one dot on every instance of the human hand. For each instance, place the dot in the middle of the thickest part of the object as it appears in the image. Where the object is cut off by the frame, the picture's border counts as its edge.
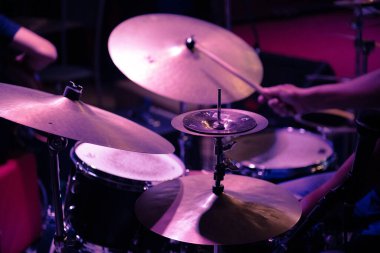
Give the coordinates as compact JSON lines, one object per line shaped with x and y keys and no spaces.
{"x":285,"y":99}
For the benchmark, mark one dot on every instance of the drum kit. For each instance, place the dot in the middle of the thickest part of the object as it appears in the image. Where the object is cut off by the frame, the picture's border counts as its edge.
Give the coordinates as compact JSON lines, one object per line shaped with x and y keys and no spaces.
{"x":126,"y":175}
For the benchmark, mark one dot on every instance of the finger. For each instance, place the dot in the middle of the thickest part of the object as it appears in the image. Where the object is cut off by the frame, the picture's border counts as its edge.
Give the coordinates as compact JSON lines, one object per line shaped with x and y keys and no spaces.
{"x":281,"y":108}
{"x":261,"y":99}
{"x":274,"y":102}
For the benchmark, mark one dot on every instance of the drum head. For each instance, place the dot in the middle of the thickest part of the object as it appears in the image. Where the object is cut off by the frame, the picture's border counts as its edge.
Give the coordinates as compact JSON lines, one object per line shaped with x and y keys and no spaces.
{"x":279,"y":149}
{"x":127,"y":164}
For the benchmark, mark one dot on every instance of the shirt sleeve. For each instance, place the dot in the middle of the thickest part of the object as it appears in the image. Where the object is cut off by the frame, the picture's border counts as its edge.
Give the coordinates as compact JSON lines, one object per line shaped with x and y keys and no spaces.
{"x":8,"y":29}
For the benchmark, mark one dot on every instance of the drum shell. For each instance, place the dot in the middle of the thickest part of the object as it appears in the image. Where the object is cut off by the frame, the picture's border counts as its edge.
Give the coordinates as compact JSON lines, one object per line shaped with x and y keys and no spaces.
{"x":338,"y":126}
{"x":102,"y":212}
{"x":101,"y":194}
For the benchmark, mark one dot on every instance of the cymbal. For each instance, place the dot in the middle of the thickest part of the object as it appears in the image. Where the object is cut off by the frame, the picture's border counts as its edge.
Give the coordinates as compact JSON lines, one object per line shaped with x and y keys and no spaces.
{"x":249,"y":210}
{"x":205,"y":122}
{"x":151,"y":50}
{"x":355,"y":2}
{"x":76,"y":120}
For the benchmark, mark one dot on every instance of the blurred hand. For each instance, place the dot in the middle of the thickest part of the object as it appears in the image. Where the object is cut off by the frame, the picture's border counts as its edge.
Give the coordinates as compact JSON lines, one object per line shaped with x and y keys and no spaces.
{"x":285,"y":99}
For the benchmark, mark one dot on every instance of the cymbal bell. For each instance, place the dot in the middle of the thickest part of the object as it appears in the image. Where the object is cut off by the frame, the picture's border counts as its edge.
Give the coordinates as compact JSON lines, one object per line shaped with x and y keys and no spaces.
{"x":248,"y":211}
{"x":205,"y":122}
{"x":154,"y":51}
{"x":76,"y":120}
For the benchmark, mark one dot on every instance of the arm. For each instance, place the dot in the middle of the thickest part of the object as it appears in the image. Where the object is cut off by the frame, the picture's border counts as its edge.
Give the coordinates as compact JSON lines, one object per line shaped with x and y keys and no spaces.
{"x":37,"y":52}
{"x":369,"y":177}
{"x":359,"y":93}
{"x":311,"y":200}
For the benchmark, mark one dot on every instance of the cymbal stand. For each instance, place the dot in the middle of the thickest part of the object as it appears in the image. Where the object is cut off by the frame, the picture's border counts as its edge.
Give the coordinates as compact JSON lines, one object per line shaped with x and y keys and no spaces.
{"x":183,"y":141}
{"x":221,"y":165}
{"x":56,"y":144}
{"x":362,"y":47}
{"x":227,"y":12}
{"x":220,"y":168}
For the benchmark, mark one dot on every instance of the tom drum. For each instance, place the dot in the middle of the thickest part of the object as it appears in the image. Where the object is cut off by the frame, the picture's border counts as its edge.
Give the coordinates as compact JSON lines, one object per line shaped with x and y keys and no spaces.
{"x":103,"y":188}
{"x":282,"y":154}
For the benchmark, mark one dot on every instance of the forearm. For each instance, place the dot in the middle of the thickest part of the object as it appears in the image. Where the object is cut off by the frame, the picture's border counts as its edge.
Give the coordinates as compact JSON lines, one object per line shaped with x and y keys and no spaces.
{"x":311,"y":200}
{"x":359,"y":93}
{"x":38,"y":52}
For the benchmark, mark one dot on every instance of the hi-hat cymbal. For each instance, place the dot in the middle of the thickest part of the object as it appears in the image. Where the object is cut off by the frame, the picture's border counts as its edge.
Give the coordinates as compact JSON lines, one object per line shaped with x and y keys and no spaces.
{"x":151,"y":50}
{"x":205,"y":122}
{"x":249,"y":210}
{"x":76,"y":120}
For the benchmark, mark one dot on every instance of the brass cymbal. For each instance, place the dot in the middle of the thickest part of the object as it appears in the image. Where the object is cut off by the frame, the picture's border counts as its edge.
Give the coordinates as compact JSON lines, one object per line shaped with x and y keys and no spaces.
{"x":249,"y":210}
{"x":151,"y":50}
{"x":76,"y":120}
{"x":205,"y":122}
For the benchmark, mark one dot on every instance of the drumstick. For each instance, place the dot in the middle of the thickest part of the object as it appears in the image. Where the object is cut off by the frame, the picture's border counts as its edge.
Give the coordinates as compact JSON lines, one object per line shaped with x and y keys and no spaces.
{"x":225,"y":65}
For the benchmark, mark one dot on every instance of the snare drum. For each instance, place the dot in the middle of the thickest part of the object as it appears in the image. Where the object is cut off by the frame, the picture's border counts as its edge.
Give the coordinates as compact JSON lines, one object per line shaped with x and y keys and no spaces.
{"x":103,"y":188}
{"x":282,"y":154}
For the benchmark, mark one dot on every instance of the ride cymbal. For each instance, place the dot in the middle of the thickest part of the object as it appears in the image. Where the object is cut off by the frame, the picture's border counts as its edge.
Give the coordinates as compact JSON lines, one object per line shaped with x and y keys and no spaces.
{"x":249,"y":210}
{"x":184,"y":58}
{"x":76,"y":120}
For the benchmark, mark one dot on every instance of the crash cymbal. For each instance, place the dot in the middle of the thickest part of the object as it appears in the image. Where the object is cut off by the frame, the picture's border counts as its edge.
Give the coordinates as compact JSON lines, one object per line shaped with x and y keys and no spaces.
{"x":249,"y":210}
{"x":355,"y":2}
{"x":152,"y":51}
{"x":76,"y":120}
{"x":233,"y":122}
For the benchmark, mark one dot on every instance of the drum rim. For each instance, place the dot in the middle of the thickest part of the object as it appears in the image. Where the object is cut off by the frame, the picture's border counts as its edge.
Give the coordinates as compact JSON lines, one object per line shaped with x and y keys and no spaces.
{"x":280,"y":173}
{"x":249,"y":165}
{"x":350,"y":117}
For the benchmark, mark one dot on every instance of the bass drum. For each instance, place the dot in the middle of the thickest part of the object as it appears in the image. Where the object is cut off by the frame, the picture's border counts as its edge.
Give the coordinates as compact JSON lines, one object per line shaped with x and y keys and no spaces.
{"x":282,"y":154}
{"x":103,"y":188}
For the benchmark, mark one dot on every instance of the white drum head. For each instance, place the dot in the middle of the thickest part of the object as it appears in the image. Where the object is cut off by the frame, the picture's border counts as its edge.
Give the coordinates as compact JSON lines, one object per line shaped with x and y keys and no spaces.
{"x":131,"y":165}
{"x":284,"y":148}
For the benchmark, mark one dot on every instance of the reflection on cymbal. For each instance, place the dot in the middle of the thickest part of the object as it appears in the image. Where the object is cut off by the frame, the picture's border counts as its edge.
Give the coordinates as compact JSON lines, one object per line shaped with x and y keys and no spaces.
{"x":233,"y":122}
{"x":151,"y":50}
{"x":249,"y":210}
{"x":76,"y":120}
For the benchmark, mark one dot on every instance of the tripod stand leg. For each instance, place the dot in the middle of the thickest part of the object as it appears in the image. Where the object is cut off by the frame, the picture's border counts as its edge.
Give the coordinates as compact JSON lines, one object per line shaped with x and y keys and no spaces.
{"x":57,"y":144}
